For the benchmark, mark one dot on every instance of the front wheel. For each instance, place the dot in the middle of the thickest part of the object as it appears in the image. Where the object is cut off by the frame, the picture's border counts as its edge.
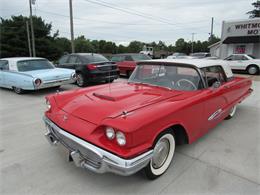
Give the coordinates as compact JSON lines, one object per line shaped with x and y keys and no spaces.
{"x":162,"y":156}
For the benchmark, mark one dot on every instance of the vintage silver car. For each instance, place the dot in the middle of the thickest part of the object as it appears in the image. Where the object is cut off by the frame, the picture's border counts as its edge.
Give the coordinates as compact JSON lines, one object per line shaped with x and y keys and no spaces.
{"x":31,"y":73}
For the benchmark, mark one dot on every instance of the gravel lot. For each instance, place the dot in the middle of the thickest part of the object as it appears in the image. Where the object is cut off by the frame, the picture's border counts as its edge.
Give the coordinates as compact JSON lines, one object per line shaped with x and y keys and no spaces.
{"x":226,"y":160}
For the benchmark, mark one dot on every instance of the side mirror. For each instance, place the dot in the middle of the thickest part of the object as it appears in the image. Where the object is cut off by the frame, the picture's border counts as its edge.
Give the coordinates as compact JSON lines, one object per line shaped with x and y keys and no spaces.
{"x":216,"y":85}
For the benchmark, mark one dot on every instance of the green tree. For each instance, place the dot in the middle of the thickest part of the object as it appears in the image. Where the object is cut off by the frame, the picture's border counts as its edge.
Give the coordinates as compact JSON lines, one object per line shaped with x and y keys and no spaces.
{"x":83,"y":45}
{"x":255,"y":13}
{"x":63,"y":44}
{"x":14,"y":38}
{"x":135,"y":46}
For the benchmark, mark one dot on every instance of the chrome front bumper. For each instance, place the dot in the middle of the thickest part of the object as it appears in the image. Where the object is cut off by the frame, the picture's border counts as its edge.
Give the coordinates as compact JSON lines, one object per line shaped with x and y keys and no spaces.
{"x":91,"y":157}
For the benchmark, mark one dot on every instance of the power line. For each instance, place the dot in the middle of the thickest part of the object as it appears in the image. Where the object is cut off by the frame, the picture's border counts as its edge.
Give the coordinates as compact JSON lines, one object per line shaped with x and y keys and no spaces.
{"x":142,"y":13}
{"x":130,"y":12}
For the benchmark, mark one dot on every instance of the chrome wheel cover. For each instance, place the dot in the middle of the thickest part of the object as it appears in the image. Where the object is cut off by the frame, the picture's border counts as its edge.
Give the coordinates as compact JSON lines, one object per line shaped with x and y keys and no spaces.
{"x":80,"y":80}
{"x":232,"y":111}
{"x":252,"y":70}
{"x":161,"y":152}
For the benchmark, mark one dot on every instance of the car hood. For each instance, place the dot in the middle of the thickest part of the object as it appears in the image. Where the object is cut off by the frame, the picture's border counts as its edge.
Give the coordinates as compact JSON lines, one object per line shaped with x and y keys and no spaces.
{"x":51,"y":74}
{"x":256,"y":61}
{"x":111,"y":101}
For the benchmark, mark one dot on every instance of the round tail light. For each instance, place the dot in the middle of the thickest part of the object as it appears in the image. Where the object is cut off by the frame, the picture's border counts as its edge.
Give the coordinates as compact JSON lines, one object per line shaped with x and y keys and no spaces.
{"x":37,"y":82}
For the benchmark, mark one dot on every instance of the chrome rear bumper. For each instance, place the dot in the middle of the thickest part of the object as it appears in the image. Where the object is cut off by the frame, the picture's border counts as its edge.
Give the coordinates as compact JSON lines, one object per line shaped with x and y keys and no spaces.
{"x":54,"y":83}
{"x":91,"y":157}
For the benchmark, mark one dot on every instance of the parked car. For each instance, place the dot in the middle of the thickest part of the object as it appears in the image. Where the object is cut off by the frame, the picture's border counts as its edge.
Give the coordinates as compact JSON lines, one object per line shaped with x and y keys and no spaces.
{"x":90,"y":67}
{"x":244,"y":62}
{"x":126,"y":62}
{"x":128,"y":126}
{"x":177,"y":55}
{"x":27,"y":73}
{"x":200,"y":55}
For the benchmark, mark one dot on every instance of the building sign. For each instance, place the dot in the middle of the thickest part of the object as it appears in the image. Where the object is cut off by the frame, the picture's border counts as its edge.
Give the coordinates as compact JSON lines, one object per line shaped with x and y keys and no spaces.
{"x":240,"y":49}
{"x":241,"y":28}
{"x":252,"y":28}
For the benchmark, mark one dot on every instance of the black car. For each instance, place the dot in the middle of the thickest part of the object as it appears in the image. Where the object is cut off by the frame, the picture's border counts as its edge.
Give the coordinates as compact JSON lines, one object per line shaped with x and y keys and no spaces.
{"x":90,"y":67}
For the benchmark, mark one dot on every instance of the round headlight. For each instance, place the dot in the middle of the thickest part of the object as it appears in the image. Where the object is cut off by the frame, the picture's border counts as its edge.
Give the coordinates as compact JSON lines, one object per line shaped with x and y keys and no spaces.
{"x":110,"y":133}
{"x":48,"y":105}
{"x":120,"y":138}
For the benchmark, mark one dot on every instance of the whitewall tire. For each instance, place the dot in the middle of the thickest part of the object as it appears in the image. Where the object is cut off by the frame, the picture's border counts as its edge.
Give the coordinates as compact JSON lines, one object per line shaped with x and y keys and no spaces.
{"x":232,"y":112}
{"x":163,"y":153}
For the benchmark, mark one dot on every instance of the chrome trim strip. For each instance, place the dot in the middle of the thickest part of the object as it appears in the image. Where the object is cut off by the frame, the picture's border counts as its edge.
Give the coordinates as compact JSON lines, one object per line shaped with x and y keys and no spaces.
{"x":215,"y":114}
{"x":109,"y":162}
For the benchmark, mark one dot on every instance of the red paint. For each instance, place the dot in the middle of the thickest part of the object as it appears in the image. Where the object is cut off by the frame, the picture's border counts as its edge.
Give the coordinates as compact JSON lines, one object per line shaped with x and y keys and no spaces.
{"x":126,"y":66}
{"x":150,"y":110}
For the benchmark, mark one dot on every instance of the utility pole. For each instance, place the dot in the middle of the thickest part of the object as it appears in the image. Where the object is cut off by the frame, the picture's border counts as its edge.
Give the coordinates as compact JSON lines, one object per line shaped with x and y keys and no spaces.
{"x":192,"y":39}
{"x":32,"y":29}
{"x":28,"y":37}
{"x":71,"y":28}
{"x":211,"y":30}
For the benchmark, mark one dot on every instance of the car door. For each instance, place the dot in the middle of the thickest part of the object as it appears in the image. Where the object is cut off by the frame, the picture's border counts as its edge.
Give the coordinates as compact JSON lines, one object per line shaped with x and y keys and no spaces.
{"x":217,"y":98}
{"x":238,"y":62}
{"x":128,"y":65}
{"x":73,"y":62}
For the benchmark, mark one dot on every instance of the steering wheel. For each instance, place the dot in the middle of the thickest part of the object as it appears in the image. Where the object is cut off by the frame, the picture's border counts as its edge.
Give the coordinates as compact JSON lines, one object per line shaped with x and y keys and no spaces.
{"x":181,"y":86}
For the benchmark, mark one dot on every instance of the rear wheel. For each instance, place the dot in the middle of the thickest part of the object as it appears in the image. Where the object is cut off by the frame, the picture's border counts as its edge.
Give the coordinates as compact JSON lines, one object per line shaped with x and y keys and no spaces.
{"x":81,"y":81}
{"x":163,"y":153}
{"x":252,"y":69}
{"x":232,"y":112}
{"x":18,"y":90}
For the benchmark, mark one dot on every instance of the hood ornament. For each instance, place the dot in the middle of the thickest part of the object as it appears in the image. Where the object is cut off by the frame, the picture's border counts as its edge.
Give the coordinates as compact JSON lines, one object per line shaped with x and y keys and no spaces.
{"x":125,"y":114}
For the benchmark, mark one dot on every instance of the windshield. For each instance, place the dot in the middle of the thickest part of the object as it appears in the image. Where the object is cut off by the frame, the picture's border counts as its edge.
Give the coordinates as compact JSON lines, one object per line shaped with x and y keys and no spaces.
{"x":251,"y":56}
{"x":30,"y":65}
{"x":90,"y":58}
{"x":167,"y":76}
{"x":140,"y":57}
{"x":198,"y":54}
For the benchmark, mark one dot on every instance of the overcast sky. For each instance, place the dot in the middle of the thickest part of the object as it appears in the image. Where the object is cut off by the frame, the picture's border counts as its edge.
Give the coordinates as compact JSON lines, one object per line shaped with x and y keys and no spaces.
{"x":143,"y":20}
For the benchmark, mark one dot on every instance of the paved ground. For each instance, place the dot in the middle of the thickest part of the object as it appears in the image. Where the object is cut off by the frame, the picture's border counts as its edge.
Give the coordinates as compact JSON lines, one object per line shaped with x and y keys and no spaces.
{"x":226,"y":160}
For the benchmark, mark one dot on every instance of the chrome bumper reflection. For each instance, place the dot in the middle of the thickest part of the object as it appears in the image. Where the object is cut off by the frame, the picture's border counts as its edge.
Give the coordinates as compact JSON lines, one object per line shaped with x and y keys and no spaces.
{"x":55,"y":83}
{"x":91,"y":157}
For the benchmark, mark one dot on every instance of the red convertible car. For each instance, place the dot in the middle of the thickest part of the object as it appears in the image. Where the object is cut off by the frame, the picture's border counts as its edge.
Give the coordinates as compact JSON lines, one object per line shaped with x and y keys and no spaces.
{"x":128,"y":126}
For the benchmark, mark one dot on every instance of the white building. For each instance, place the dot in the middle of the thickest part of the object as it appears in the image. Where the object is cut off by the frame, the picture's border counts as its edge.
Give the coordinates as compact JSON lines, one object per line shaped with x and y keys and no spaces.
{"x":238,"y":37}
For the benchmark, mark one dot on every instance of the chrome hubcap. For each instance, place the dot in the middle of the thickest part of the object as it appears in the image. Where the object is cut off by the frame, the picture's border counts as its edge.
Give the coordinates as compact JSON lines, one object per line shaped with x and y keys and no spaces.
{"x":17,"y":90}
{"x":232,"y":111}
{"x":252,"y":70}
{"x":161,"y":152}
{"x":79,"y":80}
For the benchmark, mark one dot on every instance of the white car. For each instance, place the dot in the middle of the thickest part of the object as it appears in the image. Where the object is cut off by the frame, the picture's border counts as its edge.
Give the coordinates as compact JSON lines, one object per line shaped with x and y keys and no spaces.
{"x":244,"y":62}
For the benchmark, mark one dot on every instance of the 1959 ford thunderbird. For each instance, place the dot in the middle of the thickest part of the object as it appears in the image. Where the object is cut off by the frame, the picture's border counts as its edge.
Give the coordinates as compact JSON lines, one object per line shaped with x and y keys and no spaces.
{"x":24,"y":73}
{"x":125,"y":127}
